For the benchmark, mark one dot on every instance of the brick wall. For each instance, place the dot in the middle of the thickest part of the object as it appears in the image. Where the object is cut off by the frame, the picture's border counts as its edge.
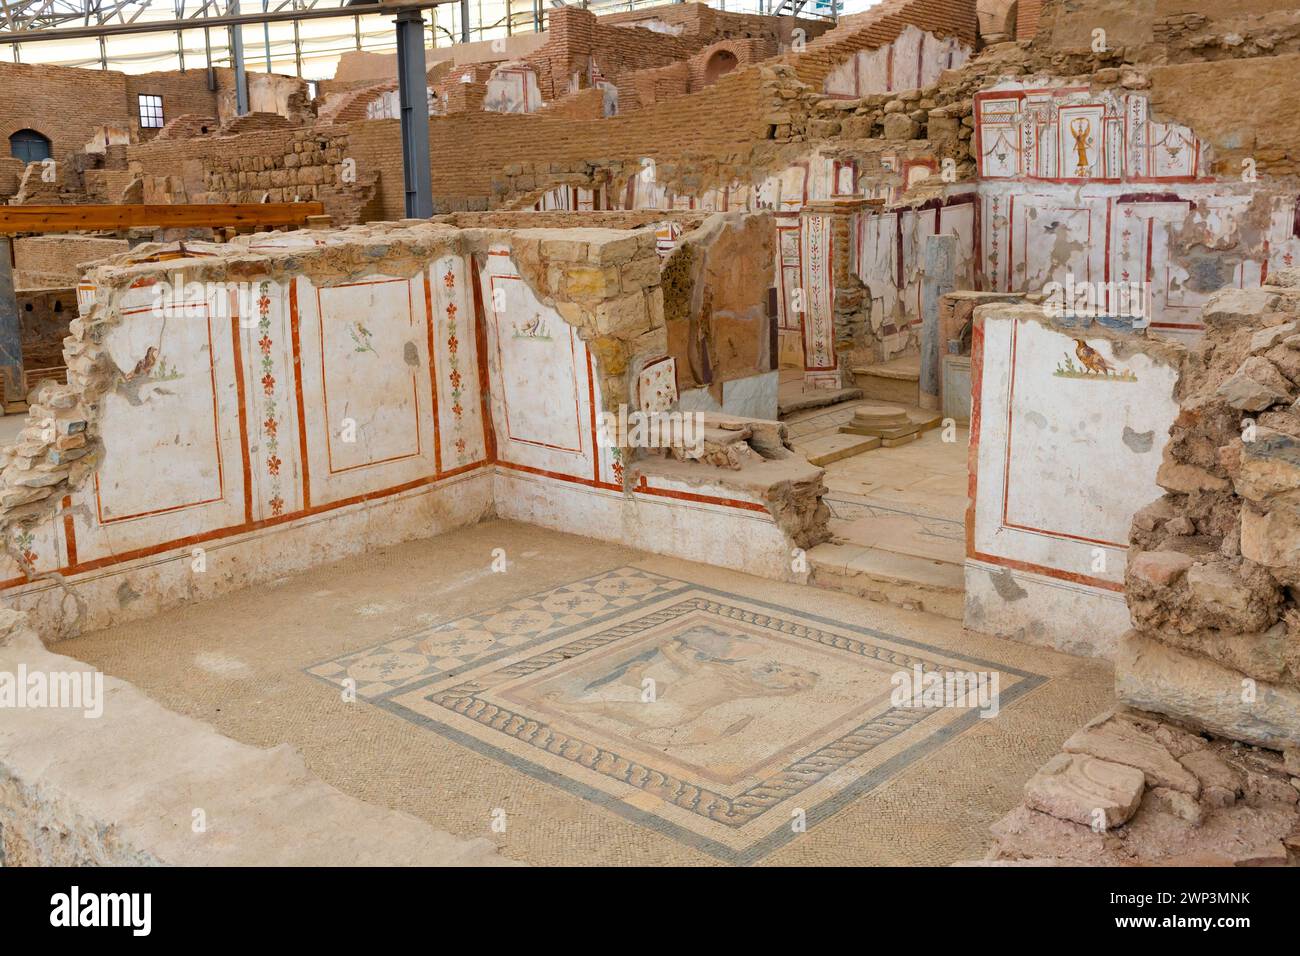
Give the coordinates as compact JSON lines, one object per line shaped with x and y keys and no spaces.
{"x":61,"y":103}
{"x":1027,"y":14}
{"x":56,"y":260}
{"x":182,"y":94}
{"x":11,"y":174}
{"x":481,"y":159}
{"x":69,"y":105}
{"x":879,"y":26}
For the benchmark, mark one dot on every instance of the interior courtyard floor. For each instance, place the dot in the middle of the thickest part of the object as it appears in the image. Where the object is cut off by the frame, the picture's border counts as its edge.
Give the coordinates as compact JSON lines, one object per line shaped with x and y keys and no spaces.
{"x":908,"y":500}
{"x":519,"y":696}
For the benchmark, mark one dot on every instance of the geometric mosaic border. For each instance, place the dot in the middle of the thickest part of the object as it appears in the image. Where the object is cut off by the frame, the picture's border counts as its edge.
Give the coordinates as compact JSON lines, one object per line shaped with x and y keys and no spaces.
{"x":732,"y":812}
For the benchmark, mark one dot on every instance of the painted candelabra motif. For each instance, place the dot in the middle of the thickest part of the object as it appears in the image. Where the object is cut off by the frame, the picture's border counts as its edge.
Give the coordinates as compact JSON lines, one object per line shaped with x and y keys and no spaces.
{"x":270,"y":407}
{"x":454,"y":377}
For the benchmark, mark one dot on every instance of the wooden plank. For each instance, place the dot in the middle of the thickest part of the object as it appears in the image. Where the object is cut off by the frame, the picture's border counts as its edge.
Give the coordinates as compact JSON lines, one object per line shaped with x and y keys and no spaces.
{"x":86,"y":218}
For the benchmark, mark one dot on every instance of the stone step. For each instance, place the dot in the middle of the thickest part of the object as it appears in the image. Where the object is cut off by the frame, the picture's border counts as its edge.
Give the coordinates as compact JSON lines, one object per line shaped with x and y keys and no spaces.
{"x":828,"y":448}
{"x":725,"y":436}
{"x":792,"y":397}
{"x":906,"y":425}
{"x":878,"y":416}
{"x":936,"y":587}
{"x":893,"y":381}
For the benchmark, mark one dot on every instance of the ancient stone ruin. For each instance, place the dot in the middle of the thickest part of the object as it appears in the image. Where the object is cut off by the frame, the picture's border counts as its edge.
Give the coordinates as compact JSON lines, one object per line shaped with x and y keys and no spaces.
{"x":800,"y":435}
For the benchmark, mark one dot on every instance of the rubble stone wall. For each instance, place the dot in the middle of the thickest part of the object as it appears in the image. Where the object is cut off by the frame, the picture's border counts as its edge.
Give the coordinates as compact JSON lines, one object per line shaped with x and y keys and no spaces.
{"x":1215,"y":561}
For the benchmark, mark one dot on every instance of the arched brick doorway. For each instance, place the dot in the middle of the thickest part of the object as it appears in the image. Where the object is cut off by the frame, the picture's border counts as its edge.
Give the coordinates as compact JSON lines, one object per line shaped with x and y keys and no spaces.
{"x":722,"y":62}
{"x":29,"y":146}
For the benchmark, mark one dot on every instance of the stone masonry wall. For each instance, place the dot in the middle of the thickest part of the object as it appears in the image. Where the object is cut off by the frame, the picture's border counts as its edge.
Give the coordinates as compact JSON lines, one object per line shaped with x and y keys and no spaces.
{"x":1215,"y":563}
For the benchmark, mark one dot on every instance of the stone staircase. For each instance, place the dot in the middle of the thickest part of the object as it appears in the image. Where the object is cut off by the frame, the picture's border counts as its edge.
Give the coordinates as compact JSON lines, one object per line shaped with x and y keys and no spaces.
{"x":909,"y":560}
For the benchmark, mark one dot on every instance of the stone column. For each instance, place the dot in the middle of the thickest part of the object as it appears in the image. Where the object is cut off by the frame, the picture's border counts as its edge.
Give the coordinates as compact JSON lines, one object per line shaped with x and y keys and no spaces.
{"x":836,"y":306}
{"x":937,"y":280}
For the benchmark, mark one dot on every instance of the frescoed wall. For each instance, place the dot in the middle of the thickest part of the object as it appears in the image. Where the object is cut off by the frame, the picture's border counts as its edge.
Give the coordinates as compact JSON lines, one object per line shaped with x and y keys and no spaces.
{"x":1067,"y":431}
{"x":890,"y":246}
{"x":911,"y":61}
{"x":512,"y":89}
{"x":1087,"y":185}
{"x":321,"y":405}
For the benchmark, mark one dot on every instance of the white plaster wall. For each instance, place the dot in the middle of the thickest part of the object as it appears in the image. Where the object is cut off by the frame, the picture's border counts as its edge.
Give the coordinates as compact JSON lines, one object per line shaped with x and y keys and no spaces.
{"x":171,"y":576}
{"x":1045,"y":611}
{"x":912,"y":60}
{"x":730,"y":537}
{"x":1062,"y":458}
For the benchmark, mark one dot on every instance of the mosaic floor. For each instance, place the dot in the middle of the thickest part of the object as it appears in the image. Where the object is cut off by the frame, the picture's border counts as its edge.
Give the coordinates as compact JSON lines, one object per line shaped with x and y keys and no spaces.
{"x":729,"y":724}
{"x":614,"y":707}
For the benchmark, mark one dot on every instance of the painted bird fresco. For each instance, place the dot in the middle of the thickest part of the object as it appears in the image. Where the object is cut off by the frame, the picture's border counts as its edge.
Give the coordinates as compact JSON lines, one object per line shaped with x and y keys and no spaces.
{"x":145,"y":365}
{"x":535,"y":329}
{"x":1091,"y":358}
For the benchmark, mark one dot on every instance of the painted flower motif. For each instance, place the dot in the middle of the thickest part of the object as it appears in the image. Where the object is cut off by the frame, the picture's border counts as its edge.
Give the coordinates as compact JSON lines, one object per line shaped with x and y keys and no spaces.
{"x":449,"y":280}
{"x":452,"y":343}
{"x":24,"y":541}
{"x":451,"y":312}
{"x":455,"y":378}
{"x":460,"y":446}
{"x":457,"y":409}
{"x":271,"y":424}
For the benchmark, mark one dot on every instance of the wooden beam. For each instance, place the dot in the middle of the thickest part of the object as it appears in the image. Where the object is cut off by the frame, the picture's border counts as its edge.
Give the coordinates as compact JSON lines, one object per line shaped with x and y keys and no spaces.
{"x":95,"y":218}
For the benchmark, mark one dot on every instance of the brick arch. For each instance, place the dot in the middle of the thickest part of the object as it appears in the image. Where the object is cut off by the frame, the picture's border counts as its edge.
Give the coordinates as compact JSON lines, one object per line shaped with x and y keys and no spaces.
{"x":718,"y":63}
{"x":35,"y":123}
{"x":740,"y":52}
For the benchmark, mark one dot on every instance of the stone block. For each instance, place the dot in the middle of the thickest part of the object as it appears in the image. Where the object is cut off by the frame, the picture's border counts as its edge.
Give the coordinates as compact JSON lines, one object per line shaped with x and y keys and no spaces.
{"x":899,"y":126}
{"x":1119,"y":740}
{"x":1154,"y":677}
{"x":1255,"y":386}
{"x":1230,"y":307}
{"x":1185,"y":479}
{"x":1084,"y":790}
{"x":1271,"y":537}
{"x":1269,"y":465}
{"x":1160,"y":568}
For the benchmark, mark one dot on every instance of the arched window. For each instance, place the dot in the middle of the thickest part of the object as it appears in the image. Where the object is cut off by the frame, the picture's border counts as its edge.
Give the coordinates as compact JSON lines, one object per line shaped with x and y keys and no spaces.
{"x":29,"y":146}
{"x":723,"y":61}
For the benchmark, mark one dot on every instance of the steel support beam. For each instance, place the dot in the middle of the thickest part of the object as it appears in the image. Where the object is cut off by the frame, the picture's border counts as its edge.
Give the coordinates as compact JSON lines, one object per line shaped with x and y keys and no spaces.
{"x":266,"y":37}
{"x":413,"y":98}
{"x":237,"y":55}
{"x":225,"y":20}
{"x":464,"y":21}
